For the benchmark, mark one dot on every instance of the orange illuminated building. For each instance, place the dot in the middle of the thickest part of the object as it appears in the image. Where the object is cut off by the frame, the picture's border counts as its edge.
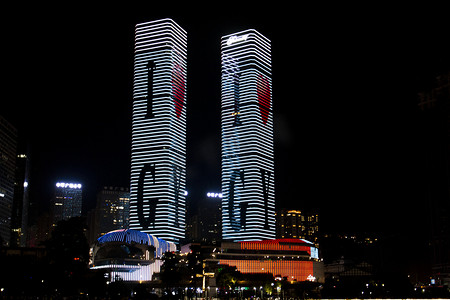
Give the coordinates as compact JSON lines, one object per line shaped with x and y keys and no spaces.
{"x":292,"y":259}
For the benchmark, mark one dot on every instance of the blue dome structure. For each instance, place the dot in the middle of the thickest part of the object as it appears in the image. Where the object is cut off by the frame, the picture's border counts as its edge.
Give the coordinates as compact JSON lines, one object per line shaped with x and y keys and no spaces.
{"x":130,"y":236}
{"x":129,"y":255}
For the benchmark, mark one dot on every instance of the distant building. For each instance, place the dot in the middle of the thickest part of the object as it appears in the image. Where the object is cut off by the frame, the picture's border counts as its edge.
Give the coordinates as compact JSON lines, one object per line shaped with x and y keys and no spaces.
{"x":348,"y":270}
{"x":19,"y":215}
{"x":112,"y":212}
{"x":298,"y":224}
{"x":8,"y":146}
{"x":66,"y":202}
{"x":41,"y":230}
{"x":205,"y":224}
{"x":113,"y":206}
{"x":435,"y":127}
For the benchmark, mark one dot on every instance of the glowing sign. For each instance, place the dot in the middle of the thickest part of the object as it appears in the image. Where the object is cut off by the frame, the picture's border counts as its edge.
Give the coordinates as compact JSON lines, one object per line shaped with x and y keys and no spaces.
{"x":311,"y":278}
{"x":234,"y":39}
{"x":214,"y":195}
{"x":68,"y":185}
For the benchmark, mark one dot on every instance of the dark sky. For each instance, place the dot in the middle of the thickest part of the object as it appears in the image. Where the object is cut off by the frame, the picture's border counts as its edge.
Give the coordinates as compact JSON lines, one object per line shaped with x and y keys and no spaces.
{"x":345,"y":82}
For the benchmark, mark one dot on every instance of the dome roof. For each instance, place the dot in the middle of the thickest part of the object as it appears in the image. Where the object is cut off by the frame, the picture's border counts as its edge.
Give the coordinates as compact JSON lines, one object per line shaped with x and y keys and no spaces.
{"x":130,"y":236}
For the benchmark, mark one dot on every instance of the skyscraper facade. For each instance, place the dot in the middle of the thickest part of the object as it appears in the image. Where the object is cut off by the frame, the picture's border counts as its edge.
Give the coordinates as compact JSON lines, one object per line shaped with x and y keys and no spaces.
{"x":248,"y":204}
{"x":19,"y":215}
{"x":291,"y":223}
{"x":66,"y":202}
{"x":113,"y":206}
{"x":8,"y":147}
{"x":158,"y":151}
{"x":434,"y":132}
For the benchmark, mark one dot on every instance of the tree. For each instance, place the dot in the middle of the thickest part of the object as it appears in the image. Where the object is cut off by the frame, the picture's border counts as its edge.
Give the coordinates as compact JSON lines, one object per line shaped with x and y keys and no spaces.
{"x":228,"y":277}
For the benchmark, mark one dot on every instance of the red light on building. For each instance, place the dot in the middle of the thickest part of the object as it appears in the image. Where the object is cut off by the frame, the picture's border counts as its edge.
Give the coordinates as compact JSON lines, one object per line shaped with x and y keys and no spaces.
{"x":285,"y":258}
{"x":292,"y":270}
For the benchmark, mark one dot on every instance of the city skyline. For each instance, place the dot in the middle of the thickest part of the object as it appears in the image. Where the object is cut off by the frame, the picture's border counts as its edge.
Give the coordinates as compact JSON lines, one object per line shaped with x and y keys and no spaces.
{"x":352,"y":125}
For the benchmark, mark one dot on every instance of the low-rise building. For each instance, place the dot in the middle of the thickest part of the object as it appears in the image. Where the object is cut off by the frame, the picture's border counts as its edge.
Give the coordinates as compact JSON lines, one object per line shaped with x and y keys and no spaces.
{"x":289,"y":259}
{"x":129,"y":255}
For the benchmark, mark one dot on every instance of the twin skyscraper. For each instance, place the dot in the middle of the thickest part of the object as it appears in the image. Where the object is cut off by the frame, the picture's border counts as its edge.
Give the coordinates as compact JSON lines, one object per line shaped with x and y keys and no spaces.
{"x":158,"y":150}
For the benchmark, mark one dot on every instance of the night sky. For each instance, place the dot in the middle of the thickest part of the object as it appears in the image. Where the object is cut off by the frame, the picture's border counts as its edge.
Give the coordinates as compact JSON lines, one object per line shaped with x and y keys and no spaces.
{"x":345,"y":83}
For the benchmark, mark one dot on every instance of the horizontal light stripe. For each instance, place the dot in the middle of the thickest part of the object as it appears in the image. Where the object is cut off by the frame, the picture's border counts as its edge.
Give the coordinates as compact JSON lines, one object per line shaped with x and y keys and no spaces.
{"x":159,"y":141}
{"x":247,"y":137}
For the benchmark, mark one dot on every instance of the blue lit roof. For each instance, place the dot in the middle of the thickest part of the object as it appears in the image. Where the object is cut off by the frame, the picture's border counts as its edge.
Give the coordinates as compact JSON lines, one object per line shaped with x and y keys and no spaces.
{"x":130,"y":236}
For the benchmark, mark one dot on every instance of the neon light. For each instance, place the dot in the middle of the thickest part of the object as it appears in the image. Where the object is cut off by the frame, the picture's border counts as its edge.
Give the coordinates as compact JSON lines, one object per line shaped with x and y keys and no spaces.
{"x":214,"y":195}
{"x":234,"y":39}
{"x":67,"y":185}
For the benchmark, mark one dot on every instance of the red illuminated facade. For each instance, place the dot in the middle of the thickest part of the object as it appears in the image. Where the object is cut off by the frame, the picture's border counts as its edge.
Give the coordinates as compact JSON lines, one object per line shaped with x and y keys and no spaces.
{"x":292,"y":259}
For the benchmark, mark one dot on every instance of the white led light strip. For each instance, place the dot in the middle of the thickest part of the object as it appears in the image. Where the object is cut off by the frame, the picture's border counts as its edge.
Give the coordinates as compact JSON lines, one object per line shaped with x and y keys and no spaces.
{"x":158,"y":154}
{"x":248,"y":203}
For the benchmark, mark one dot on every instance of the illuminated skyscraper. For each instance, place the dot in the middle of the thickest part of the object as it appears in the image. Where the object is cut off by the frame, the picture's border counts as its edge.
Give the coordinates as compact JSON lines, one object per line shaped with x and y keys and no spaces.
{"x":113,"y":209}
{"x":8,"y":147}
{"x":248,"y":204}
{"x":66,"y":202}
{"x":158,"y":151}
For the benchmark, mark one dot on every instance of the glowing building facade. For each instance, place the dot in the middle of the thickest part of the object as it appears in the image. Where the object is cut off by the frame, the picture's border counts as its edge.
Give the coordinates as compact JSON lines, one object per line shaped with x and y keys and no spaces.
{"x":248,"y":204}
{"x":129,"y":255}
{"x":158,"y":152}
{"x":293,"y":259}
